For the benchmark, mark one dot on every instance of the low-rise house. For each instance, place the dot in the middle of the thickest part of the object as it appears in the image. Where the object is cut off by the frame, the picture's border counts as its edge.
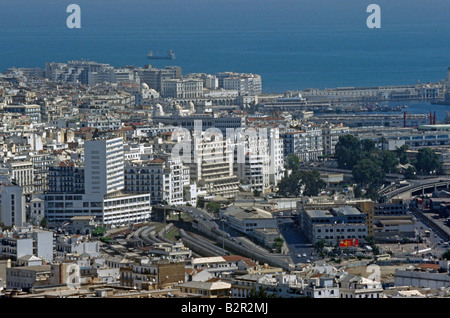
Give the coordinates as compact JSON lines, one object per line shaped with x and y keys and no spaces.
{"x":27,"y":277}
{"x":351,"y":286}
{"x":213,"y":289}
{"x":153,"y":274}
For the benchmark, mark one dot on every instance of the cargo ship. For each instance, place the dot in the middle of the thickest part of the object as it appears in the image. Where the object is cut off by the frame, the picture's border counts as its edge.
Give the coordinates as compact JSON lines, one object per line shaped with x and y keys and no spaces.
{"x":169,"y":56}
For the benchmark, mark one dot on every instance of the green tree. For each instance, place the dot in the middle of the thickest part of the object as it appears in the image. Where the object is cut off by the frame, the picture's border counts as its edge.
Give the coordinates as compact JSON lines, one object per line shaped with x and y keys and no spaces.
{"x":368,"y":146}
{"x":293,"y":162}
{"x":368,"y":171}
{"x":213,"y":207}
{"x":427,"y":161}
{"x":347,"y":151}
{"x":313,"y":183}
{"x":402,"y":154}
{"x":321,"y":244}
{"x":411,"y":173}
{"x":389,"y":161}
{"x":291,"y":185}
{"x":98,"y":231}
{"x":278,"y":243}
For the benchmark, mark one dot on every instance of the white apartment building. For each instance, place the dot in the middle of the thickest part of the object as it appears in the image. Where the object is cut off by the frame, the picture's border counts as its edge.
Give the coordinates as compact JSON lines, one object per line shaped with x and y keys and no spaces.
{"x":306,"y":143}
{"x":292,"y":286}
{"x":330,"y":137}
{"x":351,"y":286}
{"x":22,"y":172}
{"x":16,"y":245}
{"x":162,"y":177}
{"x":245,"y":84}
{"x":258,"y":157}
{"x":212,"y":164}
{"x":252,"y":161}
{"x":37,"y":210}
{"x":12,"y":208}
{"x":76,"y":245}
{"x":276,"y":151}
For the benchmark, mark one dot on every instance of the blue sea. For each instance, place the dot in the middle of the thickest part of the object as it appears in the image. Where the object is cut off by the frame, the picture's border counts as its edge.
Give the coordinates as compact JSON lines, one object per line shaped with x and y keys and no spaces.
{"x":292,"y":44}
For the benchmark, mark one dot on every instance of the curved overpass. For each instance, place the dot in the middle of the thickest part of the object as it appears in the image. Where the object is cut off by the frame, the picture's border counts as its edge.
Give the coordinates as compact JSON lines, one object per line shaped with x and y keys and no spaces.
{"x":418,"y":187}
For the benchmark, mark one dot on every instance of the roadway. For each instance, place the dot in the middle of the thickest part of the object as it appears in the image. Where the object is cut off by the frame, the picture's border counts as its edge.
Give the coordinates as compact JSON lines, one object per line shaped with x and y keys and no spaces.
{"x":348,"y":173}
{"x":235,"y":240}
{"x":417,"y":185}
{"x":300,"y":250}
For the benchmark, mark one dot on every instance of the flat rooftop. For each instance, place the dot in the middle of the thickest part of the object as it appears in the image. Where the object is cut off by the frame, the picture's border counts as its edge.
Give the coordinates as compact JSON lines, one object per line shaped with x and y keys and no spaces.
{"x":248,"y":213}
{"x":346,"y":210}
{"x":319,"y":213}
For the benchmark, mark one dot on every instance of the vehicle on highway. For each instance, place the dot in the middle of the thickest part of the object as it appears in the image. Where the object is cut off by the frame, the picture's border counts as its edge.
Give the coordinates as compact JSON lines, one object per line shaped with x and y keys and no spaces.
{"x":383,"y":257}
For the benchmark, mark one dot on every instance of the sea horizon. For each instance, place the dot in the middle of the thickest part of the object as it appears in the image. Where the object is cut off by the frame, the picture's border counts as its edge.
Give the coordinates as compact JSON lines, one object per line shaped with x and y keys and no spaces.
{"x":293,"y":45}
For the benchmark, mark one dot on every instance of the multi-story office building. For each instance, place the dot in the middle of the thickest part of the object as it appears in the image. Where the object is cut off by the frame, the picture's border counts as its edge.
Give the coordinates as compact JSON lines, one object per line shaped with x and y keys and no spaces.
{"x":111,"y":75}
{"x":306,"y":143}
{"x":258,"y":155}
{"x":252,"y":161}
{"x":182,"y":88}
{"x":334,"y":224}
{"x":153,"y":76}
{"x":104,"y":166}
{"x":104,"y":182}
{"x":276,"y":151}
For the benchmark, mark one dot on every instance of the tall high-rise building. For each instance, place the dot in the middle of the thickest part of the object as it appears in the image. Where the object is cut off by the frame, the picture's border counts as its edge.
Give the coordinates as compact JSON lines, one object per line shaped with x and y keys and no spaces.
{"x":104,"y":182}
{"x":104,"y":166}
